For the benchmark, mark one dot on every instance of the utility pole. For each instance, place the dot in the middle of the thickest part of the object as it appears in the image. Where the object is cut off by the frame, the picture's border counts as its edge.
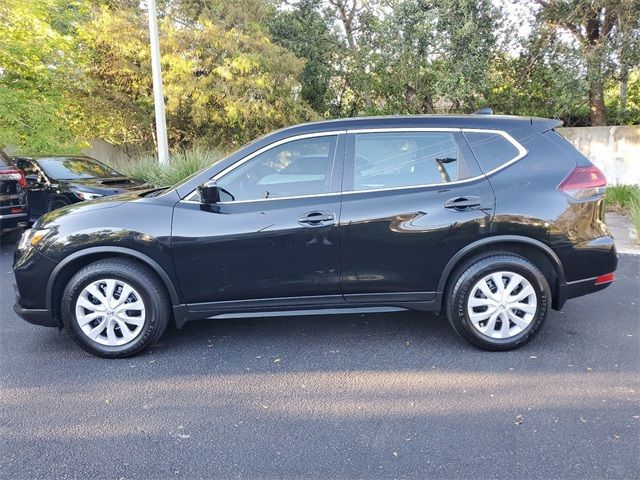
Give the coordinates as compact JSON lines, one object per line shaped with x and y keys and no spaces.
{"x":158,"y":96}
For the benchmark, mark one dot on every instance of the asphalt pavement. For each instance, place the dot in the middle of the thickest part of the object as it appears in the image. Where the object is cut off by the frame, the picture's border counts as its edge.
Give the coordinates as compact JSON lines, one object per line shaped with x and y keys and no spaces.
{"x":347,"y":396}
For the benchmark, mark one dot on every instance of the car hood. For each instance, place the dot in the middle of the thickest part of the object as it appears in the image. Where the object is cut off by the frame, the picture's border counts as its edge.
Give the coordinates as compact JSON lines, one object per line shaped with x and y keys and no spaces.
{"x":107,"y":186}
{"x":109,"y":201}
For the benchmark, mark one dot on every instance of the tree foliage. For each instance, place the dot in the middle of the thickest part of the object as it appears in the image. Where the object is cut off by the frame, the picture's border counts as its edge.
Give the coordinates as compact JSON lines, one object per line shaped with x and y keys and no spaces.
{"x":75,"y":70}
{"x":606,"y":35}
{"x":225,"y":81}
{"x":38,"y":54}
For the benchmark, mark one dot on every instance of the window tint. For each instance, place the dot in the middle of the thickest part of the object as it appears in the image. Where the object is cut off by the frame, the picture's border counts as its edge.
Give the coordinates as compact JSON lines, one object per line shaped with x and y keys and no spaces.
{"x":491,"y":150}
{"x":299,"y":167}
{"x":387,"y":160}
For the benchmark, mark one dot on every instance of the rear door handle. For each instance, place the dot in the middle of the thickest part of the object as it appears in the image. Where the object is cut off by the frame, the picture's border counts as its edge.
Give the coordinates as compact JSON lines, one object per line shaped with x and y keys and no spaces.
{"x":463,"y":203}
{"x":314,"y":219}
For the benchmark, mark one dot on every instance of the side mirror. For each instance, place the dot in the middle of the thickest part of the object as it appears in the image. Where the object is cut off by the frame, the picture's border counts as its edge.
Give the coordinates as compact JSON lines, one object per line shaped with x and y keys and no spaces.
{"x":209,"y":192}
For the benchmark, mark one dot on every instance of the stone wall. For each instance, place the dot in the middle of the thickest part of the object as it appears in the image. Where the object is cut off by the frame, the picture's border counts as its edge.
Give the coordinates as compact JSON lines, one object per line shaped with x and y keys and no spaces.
{"x":615,"y":150}
{"x":105,"y":151}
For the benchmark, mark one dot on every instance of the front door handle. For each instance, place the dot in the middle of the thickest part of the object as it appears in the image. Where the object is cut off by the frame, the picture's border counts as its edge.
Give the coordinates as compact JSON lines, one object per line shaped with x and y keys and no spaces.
{"x":314,"y":219}
{"x":463,"y":203}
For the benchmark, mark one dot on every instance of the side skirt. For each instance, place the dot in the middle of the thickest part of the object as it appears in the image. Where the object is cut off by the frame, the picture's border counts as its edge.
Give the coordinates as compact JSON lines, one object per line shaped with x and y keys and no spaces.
{"x":299,"y":306}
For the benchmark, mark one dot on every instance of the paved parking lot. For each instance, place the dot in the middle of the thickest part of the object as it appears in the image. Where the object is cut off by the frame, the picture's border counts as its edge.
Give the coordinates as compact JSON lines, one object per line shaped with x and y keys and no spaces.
{"x":393,"y":395}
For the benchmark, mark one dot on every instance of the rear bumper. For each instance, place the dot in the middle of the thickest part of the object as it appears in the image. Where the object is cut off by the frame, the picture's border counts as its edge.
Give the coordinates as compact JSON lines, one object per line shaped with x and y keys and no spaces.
{"x":13,"y":221}
{"x":601,"y":262}
{"x":583,"y":287}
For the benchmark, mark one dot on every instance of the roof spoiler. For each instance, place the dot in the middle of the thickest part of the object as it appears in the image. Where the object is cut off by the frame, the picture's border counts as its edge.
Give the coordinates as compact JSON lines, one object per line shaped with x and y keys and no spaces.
{"x":545,"y":124}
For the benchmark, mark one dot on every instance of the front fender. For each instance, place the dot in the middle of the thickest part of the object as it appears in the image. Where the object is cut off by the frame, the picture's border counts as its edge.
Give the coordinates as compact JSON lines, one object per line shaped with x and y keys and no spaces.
{"x":105,"y":251}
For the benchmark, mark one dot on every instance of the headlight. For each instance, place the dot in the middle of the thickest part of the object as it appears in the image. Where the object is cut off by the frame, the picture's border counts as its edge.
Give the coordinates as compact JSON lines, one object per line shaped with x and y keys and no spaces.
{"x":32,"y":237}
{"x":88,"y":195}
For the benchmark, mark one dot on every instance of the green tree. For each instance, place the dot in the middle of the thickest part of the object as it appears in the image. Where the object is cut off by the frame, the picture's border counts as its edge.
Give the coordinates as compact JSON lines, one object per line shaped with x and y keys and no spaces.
{"x":597,"y":27}
{"x":38,"y":69}
{"x":307,"y":32}
{"x":225,"y":81}
{"x":434,"y":55}
{"x":544,"y":79}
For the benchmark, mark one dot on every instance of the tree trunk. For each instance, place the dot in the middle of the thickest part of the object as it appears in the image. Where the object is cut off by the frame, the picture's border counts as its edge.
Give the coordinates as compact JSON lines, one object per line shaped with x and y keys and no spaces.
{"x":624,"y":86}
{"x":596,"y":104}
{"x":347,"y":17}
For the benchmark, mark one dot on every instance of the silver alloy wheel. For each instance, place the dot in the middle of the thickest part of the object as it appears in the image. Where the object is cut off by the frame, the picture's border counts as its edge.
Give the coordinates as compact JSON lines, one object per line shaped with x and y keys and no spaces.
{"x":110,"y":312}
{"x":502,"y":305}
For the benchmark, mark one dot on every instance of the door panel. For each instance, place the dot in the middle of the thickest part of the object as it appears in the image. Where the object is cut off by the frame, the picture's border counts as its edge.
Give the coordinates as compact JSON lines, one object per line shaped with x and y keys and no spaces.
{"x":241,"y":251}
{"x":277,"y":235}
{"x":397,"y":241}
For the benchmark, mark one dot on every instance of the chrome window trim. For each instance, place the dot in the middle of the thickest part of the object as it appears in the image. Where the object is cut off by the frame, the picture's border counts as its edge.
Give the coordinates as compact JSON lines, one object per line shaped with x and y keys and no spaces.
{"x":522,"y":152}
{"x":329,"y":194}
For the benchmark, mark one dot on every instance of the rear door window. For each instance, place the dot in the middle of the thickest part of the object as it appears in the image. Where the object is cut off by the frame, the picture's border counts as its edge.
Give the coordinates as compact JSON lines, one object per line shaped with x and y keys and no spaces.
{"x":405,"y":159}
{"x":492,"y":150}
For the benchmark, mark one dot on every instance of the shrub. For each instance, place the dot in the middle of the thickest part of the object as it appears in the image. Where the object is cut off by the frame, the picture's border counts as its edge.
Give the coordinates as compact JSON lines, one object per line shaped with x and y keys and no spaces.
{"x":182,"y":164}
{"x":620,"y":196}
{"x":634,"y":210}
{"x":627,"y":199}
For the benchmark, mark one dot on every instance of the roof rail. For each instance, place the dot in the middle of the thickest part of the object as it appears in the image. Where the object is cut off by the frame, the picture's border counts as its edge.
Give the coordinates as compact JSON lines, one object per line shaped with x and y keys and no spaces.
{"x":484,"y":111}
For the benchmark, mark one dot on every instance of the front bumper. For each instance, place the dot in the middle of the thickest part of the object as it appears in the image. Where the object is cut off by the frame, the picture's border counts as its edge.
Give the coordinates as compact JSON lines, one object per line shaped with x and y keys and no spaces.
{"x":32,"y":271}
{"x":36,"y":316}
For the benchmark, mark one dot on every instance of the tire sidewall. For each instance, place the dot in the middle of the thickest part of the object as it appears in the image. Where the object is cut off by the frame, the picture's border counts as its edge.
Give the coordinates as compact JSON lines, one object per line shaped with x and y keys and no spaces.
{"x":462,"y":290}
{"x":57,"y":203}
{"x":71,"y":294}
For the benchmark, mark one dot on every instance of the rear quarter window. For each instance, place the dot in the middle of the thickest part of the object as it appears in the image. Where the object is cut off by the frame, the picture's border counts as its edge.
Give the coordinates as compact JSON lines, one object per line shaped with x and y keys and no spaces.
{"x":492,"y":150}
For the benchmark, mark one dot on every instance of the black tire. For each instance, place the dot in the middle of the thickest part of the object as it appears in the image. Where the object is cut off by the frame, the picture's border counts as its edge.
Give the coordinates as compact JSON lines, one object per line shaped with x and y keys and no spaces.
{"x":466,"y":277}
{"x":57,"y":203}
{"x":143,"y":280}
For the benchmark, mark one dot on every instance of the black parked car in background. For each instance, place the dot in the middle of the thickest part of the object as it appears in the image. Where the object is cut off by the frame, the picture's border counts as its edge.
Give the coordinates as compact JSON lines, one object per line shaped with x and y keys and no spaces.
{"x":492,"y":220}
{"x":14,"y":209}
{"x":56,"y":181}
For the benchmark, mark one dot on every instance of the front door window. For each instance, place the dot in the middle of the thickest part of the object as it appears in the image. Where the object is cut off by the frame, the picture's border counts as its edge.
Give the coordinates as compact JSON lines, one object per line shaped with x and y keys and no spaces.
{"x":296,"y":168}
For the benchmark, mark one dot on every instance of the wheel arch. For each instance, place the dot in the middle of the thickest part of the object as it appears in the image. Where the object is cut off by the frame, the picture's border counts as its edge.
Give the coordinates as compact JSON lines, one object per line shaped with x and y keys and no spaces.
{"x":517,"y":244}
{"x":74,"y":262}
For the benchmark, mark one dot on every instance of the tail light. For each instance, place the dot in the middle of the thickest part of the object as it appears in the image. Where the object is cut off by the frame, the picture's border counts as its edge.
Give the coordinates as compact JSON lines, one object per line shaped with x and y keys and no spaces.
{"x":14,"y":174}
{"x":584,"y":182}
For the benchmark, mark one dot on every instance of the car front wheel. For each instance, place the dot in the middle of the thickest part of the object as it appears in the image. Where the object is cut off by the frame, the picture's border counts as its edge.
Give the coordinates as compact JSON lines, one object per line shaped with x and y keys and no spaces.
{"x":115,"y":308}
{"x":498,"y":302}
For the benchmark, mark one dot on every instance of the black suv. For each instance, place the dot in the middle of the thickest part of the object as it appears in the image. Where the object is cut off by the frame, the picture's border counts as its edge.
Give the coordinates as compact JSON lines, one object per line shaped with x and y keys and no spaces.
{"x":14,"y":209}
{"x":56,"y":181}
{"x":492,"y":220}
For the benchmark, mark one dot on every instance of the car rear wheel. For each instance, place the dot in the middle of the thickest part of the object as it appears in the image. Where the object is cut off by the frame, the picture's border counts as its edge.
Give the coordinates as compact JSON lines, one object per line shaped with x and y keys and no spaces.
{"x":498,"y":301}
{"x":115,"y":308}
{"x":57,"y":203}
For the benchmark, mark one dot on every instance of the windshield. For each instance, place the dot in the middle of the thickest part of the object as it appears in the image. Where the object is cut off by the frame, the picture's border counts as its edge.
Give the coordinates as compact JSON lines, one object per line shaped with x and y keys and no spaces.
{"x":74,"y":168}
